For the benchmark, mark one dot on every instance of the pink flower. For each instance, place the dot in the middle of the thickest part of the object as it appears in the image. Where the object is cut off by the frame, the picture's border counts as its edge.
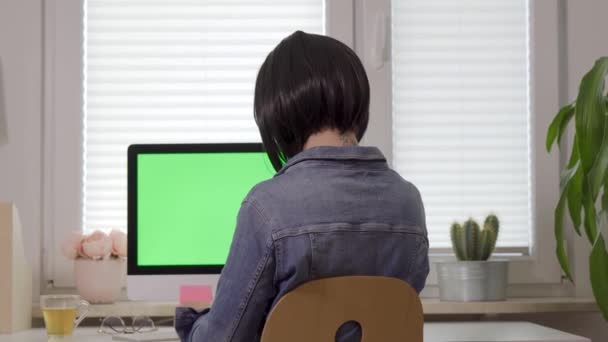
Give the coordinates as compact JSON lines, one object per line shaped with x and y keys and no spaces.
{"x":72,"y":246}
{"x":81,"y":251}
{"x":97,"y":245}
{"x":119,"y":243}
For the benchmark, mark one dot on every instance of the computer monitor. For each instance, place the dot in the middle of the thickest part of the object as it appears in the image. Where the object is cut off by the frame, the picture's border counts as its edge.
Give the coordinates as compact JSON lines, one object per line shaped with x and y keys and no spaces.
{"x":183,"y":201}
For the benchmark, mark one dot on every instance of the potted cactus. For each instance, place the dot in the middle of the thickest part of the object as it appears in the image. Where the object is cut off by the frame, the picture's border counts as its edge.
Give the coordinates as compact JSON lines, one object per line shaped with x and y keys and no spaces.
{"x":472,"y":277}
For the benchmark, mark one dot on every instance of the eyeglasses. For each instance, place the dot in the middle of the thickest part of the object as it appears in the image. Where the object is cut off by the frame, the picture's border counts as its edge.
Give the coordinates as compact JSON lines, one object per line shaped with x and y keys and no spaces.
{"x":113,"y":325}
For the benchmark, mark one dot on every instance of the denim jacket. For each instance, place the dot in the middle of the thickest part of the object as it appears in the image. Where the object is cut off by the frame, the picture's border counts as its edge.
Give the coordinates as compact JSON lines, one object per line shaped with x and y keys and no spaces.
{"x":330,"y":211}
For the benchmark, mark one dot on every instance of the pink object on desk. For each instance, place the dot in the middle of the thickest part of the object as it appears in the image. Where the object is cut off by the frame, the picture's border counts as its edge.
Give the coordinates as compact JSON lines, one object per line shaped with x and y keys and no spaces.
{"x":195,"y":293}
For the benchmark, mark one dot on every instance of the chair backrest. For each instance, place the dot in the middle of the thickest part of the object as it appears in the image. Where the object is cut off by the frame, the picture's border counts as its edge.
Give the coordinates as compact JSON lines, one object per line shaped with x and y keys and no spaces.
{"x":388,"y":309}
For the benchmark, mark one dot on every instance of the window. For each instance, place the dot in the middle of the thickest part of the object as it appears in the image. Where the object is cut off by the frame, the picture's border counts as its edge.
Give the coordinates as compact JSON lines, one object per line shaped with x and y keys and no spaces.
{"x":171,"y":71}
{"x":150,"y":71}
{"x":450,"y":79}
{"x":461,"y":112}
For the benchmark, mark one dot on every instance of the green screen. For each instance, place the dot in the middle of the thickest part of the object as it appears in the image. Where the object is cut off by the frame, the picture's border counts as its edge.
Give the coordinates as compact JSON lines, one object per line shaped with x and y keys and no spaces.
{"x":187,"y":204}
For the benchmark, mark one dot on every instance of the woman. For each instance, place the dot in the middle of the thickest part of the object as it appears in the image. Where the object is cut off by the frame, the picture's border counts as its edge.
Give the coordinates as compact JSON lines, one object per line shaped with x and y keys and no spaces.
{"x":333,"y":208}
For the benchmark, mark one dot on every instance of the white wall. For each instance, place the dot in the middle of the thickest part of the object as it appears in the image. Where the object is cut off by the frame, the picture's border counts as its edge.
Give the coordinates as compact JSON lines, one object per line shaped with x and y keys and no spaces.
{"x":586,"y":41}
{"x":20,"y":150}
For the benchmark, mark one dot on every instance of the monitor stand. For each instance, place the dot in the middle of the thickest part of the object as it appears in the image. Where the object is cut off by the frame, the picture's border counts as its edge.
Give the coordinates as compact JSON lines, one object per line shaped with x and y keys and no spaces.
{"x":166,"y":288}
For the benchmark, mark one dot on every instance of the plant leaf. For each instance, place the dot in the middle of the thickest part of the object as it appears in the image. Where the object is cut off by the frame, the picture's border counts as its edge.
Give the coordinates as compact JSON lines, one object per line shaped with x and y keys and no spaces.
{"x":575,"y":190}
{"x":574,"y":156}
{"x":575,"y":198}
{"x":560,"y":249}
{"x":598,"y":269}
{"x":566,"y":177}
{"x":590,"y":113}
{"x":600,"y":165}
{"x":557,"y":126}
{"x":605,"y":196}
{"x":590,"y":221}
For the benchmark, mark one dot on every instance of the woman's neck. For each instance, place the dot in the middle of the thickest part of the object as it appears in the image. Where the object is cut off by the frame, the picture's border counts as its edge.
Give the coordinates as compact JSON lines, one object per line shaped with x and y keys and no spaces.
{"x":331,"y":137}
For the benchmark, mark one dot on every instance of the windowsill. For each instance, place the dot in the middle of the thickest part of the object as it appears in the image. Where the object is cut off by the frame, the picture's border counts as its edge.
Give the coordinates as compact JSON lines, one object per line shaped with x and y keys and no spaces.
{"x":431,"y":306}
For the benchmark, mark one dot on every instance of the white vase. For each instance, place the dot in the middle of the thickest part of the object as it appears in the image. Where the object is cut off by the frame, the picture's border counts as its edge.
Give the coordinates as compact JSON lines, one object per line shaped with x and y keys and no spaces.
{"x":100,"y":281}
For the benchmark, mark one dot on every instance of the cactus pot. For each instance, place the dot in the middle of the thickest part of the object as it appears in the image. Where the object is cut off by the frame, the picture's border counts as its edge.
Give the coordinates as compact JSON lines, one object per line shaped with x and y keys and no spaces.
{"x":472,"y":281}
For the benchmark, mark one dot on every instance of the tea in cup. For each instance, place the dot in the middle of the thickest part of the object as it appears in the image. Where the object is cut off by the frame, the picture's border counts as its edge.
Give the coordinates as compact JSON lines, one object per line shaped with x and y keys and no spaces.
{"x":62,"y":313}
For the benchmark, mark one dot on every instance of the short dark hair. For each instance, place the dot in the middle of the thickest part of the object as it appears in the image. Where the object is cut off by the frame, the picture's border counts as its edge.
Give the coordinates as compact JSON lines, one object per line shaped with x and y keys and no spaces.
{"x":306,"y":84}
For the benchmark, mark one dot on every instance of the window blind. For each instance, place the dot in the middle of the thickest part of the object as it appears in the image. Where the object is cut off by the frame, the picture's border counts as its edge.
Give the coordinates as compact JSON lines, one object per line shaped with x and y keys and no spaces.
{"x":172,"y":71}
{"x":461,"y":112}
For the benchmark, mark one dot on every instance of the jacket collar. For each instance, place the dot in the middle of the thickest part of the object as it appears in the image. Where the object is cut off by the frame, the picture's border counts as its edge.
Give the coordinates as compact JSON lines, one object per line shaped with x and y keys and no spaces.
{"x":353,"y":153}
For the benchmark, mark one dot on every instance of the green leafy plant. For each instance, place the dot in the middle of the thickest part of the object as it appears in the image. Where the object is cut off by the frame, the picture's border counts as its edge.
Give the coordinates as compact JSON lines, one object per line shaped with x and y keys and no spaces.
{"x":584,"y":183}
{"x":472,"y":243}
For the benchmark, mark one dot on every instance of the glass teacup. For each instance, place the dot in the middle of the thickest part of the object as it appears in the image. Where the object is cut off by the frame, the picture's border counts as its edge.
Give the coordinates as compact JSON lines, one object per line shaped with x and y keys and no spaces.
{"x":62,"y":313}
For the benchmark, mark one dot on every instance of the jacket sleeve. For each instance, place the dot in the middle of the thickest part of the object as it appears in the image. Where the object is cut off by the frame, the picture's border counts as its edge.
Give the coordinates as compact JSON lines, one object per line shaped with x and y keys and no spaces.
{"x":245,"y":290}
{"x":421,"y":263}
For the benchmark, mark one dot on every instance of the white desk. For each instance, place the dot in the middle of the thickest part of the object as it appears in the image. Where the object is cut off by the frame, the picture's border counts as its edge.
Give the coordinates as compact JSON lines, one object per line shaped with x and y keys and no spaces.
{"x":433,"y":332}
{"x":494,"y":332}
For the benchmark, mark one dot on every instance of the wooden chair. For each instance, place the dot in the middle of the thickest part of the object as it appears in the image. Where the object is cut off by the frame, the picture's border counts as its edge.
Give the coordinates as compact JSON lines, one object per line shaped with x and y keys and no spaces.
{"x":387,"y":309}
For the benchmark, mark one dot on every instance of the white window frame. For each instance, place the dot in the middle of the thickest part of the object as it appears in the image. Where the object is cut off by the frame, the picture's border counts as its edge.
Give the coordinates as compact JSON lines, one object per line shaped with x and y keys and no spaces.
{"x":62,"y":171}
{"x":62,"y":202}
{"x":539,"y":266}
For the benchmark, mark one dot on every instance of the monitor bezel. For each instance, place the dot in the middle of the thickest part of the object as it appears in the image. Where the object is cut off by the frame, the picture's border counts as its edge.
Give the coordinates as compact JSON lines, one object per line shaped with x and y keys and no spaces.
{"x":133,"y":151}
